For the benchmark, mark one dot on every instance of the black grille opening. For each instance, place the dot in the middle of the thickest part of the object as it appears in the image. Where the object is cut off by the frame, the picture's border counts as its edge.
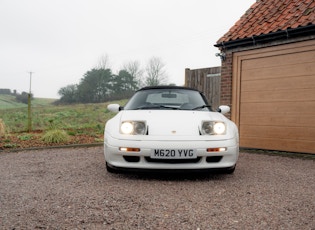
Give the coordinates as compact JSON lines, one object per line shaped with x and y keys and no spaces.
{"x":132,"y":158}
{"x":213,"y":159}
{"x":173,"y":161}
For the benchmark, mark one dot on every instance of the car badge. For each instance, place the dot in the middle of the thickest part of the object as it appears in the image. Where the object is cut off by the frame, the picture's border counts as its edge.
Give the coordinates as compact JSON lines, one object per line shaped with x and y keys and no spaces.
{"x":173,"y":131}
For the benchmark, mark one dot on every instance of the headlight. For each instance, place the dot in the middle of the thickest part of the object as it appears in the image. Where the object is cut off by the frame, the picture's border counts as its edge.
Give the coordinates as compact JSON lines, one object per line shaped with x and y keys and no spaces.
{"x":213,"y":128}
{"x":133,"y":127}
{"x":219,"y":128}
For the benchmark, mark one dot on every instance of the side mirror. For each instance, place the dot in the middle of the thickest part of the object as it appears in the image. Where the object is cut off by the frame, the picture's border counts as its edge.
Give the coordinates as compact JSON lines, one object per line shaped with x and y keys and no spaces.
{"x":224,"y":109}
{"x":114,"y":108}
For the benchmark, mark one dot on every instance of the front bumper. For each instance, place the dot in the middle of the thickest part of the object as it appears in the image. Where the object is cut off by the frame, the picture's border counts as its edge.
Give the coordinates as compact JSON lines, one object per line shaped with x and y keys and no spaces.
{"x":142,"y":160}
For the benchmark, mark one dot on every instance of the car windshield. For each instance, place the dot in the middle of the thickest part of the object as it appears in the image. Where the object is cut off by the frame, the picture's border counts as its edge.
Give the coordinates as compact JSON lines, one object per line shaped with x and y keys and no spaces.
{"x":168,"y":98}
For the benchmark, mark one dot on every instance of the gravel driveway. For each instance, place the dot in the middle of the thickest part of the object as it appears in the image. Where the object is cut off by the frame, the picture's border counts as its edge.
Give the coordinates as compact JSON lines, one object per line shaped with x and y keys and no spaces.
{"x":70,"y":189}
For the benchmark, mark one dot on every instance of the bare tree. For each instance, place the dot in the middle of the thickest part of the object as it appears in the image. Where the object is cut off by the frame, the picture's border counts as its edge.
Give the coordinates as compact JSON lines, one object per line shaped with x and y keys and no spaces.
{"x":103,"y":62}
{"x":134,"y":69}
{"x":155,"y":72}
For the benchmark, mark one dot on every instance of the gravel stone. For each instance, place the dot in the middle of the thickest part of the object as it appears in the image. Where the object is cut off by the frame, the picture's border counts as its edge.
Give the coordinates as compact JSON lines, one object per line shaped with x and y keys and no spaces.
{"x":71,"y":189}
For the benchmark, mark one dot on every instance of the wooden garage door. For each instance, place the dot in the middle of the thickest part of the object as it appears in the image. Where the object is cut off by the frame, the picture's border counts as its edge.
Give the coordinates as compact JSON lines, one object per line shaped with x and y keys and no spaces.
{"x":276,"y":97}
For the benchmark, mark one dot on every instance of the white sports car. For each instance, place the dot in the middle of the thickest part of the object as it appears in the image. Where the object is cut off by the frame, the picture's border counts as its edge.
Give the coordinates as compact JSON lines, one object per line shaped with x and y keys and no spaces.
{"x":170,"y":128}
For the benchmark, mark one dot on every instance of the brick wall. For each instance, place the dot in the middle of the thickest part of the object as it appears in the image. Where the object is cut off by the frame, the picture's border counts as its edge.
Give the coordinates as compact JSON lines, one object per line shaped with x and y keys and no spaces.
{"x":226,"y":81}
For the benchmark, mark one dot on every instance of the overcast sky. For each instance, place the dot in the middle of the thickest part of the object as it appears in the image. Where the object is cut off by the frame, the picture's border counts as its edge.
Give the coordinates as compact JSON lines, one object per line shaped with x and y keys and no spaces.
{"x":60,"y":40}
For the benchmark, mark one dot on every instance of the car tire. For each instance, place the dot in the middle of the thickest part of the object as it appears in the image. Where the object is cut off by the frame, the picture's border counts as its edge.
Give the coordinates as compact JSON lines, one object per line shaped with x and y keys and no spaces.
{"x":230,"y":170}
{"x":110,"y":169}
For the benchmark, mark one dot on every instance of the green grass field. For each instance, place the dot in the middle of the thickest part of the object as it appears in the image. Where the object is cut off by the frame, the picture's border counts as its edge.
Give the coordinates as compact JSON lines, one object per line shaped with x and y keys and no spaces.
{"x":9,"y":102}
{"x":79,"y":118}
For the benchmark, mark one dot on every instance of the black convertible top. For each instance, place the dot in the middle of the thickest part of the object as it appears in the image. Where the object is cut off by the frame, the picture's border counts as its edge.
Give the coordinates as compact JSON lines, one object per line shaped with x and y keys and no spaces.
{"x":166,"y":87}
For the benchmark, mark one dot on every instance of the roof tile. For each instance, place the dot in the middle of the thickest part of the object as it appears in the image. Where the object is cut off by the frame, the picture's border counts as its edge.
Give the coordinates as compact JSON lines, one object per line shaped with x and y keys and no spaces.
{"x":266,"y":16}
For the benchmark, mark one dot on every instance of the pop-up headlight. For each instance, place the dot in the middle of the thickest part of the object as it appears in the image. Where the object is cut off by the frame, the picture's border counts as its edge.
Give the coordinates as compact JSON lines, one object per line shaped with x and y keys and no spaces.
{"x":133,"y":127}
{"x":213,"y":128}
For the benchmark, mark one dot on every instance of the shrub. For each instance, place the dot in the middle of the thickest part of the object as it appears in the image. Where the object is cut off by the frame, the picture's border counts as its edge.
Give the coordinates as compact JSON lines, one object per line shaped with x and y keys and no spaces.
{"x":25,"y":137}
{"x":9,"y":145}
{"x":55,"y":136}
{"x":23,"y":97}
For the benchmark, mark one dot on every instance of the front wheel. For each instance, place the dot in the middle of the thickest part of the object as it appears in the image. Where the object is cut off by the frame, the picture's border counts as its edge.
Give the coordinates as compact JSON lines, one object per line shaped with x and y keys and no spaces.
{"x":110,"y":169}
{"x":230,"y":170}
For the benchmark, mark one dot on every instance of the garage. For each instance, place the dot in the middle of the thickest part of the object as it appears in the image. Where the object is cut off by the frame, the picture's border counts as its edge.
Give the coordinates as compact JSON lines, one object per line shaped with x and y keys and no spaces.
{"x":268,"y":75}
{"x":274,"y":97}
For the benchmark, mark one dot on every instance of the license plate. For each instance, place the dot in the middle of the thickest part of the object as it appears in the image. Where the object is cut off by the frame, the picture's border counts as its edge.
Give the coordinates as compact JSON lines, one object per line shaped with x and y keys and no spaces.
{"x":173,"y":153}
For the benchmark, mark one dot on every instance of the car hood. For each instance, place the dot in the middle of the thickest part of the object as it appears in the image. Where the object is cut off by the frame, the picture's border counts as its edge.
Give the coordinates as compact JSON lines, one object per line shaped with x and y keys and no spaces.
{"x":171,"y":123}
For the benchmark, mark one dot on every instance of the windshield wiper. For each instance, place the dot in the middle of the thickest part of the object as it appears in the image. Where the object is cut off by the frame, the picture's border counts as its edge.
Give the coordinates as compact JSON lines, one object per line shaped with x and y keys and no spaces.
{"x":155,"y":107}
{"x":167,"y":107}
{"x":202,"y":106}
{"x":145,"y":107}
